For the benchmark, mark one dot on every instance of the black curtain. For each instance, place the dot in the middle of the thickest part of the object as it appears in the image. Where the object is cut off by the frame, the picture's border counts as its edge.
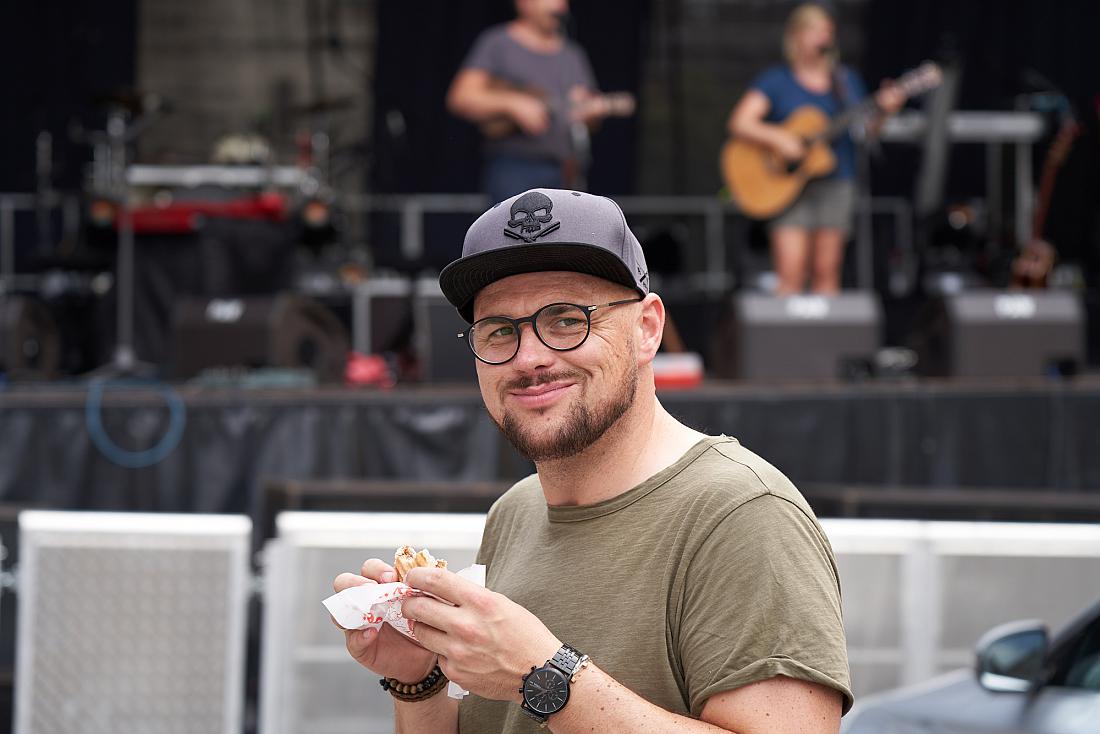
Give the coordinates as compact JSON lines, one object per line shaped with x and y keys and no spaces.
{"x":1006,"y":49}
{"x":59,"y":56}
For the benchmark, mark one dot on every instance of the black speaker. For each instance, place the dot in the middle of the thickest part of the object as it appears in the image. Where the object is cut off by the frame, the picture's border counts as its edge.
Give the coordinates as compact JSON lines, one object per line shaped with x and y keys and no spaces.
{"x":285,"y":331}
{"x":443,"y":356}
{"x":991,"y":333}
{"x":30,"y":344}
{"x":806,"y":337}
{"x":382,"y":315}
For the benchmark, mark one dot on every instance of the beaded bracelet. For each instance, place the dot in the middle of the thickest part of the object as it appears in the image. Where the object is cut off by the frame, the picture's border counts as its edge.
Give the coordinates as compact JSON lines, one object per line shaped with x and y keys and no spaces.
{"x":410,"y":692}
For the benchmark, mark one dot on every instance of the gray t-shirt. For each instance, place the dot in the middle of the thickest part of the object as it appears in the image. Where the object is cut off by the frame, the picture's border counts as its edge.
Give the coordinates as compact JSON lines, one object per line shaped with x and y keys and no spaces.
{"x":708,"y":576}
{"x":549,"y":76}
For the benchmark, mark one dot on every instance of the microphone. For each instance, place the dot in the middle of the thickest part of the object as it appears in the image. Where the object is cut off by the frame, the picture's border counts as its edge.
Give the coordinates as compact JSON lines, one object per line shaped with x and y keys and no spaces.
{"x":565,"y":24}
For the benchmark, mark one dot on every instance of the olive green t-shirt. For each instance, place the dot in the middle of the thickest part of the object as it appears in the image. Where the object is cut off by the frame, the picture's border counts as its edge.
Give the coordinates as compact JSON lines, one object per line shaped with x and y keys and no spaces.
{"x":710,"y":575}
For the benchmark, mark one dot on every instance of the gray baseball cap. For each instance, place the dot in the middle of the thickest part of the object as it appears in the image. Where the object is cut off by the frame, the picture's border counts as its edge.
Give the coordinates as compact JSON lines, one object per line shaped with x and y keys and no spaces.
{"x":540,"y":230}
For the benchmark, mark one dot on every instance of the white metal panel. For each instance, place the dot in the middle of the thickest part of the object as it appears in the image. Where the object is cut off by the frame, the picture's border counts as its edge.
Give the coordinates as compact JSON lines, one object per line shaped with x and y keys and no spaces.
{"x":911,"y":591}
{"x":131,"y":623}
{"x":309,"y":684}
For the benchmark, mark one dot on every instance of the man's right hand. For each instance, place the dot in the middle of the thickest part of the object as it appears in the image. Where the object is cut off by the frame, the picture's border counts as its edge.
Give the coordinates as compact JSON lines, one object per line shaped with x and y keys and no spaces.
{"x":384,"y":651}
{"x":530,"y":114}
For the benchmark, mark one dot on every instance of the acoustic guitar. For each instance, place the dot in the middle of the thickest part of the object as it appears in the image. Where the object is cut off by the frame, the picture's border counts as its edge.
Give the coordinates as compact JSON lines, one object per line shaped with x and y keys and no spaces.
{"x":763,"y":183}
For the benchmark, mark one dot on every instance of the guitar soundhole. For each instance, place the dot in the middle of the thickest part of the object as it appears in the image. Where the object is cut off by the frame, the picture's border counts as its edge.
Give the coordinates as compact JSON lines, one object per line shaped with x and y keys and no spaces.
{"x":779,"y":165}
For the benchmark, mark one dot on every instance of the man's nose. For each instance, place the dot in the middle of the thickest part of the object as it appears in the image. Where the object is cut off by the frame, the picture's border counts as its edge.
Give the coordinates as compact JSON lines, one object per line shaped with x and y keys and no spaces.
{"x":532,"y":352}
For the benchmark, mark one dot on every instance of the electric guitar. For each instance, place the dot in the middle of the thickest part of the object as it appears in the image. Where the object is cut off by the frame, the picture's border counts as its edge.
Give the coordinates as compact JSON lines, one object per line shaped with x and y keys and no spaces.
{"x":763,"y":183}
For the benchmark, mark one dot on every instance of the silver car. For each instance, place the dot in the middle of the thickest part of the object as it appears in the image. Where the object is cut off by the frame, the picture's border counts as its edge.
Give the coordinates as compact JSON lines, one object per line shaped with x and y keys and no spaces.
{"x":1023,"y":683}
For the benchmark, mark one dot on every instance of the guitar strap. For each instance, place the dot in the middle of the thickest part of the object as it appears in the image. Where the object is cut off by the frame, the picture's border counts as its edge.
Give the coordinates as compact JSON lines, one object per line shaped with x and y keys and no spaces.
{"x":840,"y":87}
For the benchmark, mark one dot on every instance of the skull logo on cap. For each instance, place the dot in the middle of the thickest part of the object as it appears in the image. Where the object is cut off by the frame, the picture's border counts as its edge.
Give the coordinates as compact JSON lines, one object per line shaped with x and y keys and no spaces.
{"x":529,"y":213}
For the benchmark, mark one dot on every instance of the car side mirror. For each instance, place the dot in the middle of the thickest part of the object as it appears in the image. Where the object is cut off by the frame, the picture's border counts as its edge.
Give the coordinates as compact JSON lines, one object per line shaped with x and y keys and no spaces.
{"x":1010,"y":657}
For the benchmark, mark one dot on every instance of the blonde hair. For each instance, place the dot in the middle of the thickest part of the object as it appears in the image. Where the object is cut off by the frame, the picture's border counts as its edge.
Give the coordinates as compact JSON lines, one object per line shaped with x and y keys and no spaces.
{"x":804,"y":15}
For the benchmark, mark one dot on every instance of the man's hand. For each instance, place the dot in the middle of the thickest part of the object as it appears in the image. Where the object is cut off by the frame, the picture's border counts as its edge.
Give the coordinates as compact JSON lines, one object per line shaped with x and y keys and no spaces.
{"x":486,"y":643}
{"x":384,"y":651}
{"x":529,"y":113}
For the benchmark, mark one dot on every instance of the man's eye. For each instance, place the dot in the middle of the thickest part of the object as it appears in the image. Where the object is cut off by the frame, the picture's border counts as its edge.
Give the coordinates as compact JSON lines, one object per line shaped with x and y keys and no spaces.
{"x":502,"y":332}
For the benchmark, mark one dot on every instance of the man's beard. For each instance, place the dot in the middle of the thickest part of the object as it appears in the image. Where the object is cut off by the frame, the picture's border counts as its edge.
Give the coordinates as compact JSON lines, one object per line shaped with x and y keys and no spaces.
{"x":584,"y":425}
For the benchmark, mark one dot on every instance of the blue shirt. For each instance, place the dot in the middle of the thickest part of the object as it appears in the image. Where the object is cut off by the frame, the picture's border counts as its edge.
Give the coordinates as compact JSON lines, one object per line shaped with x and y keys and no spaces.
{"x":785,"y":94}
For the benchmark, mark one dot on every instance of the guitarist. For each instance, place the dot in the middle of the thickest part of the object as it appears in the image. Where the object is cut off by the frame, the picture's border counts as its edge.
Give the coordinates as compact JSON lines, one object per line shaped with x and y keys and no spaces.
{"x":808,"y":239}
{"x":529,"y":76}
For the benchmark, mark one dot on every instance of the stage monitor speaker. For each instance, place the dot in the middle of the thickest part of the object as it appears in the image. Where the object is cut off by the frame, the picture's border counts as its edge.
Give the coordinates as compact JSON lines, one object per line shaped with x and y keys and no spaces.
{"x":805,"y":337}
{"x":991,"y":333}
{"x":285,"y":331}
{"x":30,"y":344}
{"x":382,"y":315}
{"x":443,"y":356}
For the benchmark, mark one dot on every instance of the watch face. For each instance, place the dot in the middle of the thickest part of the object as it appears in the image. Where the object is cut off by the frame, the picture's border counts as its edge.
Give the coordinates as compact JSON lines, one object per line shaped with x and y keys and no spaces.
{"x":546,"y":690}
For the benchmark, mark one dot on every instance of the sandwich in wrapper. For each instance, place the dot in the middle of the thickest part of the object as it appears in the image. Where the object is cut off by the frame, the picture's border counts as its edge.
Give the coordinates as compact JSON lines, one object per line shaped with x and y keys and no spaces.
{"x":372,"y":605}
{"x":406,"y":559}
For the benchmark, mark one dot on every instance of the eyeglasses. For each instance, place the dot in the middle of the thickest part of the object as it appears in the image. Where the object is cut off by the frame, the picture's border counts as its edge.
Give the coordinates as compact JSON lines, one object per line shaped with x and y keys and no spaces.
{"x":560,"y":326}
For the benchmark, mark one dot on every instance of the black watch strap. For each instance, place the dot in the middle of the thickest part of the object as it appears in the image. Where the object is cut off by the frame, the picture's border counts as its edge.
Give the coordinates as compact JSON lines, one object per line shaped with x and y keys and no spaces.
{"x":566,"y":659}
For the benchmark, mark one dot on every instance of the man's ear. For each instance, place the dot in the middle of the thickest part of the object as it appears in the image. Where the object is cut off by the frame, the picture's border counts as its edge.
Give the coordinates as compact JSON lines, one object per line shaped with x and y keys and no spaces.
{"x":651,"y":327}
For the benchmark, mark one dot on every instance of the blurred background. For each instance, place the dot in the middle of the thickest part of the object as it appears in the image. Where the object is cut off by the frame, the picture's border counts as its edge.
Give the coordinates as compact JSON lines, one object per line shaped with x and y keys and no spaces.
{"x":221,"y":225}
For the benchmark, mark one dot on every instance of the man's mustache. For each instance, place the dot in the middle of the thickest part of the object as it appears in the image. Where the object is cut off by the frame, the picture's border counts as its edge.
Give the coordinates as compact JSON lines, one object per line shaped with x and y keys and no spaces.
{"x":541,"y":378}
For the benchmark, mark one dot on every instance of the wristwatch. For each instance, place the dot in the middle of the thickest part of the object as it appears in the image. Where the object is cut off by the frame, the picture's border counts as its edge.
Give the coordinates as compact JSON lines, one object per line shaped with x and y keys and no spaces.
{"x":546,"y":689}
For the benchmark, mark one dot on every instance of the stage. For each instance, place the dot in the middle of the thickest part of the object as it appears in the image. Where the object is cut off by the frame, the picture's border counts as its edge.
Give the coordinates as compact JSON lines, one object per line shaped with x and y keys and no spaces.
{"x":224,"y":450}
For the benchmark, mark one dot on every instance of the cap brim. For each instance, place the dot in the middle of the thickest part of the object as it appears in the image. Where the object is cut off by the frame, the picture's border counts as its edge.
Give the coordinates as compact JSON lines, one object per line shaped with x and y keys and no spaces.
{"x":461,"y":280}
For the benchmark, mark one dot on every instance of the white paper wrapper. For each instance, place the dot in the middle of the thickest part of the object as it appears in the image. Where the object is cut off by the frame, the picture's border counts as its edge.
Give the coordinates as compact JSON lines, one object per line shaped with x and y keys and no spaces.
{"x":367,"y":606}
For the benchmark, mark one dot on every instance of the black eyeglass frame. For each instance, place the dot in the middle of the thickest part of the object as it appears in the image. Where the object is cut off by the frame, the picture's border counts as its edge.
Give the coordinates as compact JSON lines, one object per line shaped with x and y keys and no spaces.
{"x":517,"y":323}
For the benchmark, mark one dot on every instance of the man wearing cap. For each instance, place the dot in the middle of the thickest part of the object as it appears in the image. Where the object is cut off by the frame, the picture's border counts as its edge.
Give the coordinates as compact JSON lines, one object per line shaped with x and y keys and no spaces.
{"x":648,"y":578}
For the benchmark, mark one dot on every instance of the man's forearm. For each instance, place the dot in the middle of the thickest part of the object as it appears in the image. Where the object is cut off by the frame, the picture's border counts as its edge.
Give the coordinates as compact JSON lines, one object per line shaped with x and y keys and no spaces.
{"x":598,"y":700}
{"x":436,"y":715}
{"x":478,"y":105}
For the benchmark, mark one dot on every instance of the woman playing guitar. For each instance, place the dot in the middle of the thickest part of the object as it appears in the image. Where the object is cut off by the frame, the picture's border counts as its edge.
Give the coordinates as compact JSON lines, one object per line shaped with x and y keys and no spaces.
{"x":808,"y":237}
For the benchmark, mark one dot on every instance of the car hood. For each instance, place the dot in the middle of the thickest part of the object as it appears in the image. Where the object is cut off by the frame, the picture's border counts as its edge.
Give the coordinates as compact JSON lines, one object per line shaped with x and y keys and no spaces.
{"x":952,"y":703}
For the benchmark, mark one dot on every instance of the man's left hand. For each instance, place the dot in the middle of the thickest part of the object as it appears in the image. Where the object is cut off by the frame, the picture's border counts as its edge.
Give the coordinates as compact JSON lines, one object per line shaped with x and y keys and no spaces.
{"x":486,"y":642}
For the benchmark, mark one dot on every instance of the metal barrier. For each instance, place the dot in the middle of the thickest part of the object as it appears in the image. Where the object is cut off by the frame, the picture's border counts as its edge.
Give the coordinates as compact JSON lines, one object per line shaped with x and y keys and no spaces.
{"x":308,"y":682}
{"x":413,"y":207}
{"x":131,"y":622}
{"x":917,"y":595}
{"x":712,"y":211}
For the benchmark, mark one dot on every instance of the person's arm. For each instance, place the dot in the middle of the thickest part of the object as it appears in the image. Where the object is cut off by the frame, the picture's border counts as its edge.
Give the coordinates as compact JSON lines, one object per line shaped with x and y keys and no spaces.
{"x":747,"y":122}
{"x":888,"y":100}
{"x":486,"y":643}
{"x":474,"y":97}
{"x":774,"y":706}
{"x":388,"y":653}
{"x":437,"y":715}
